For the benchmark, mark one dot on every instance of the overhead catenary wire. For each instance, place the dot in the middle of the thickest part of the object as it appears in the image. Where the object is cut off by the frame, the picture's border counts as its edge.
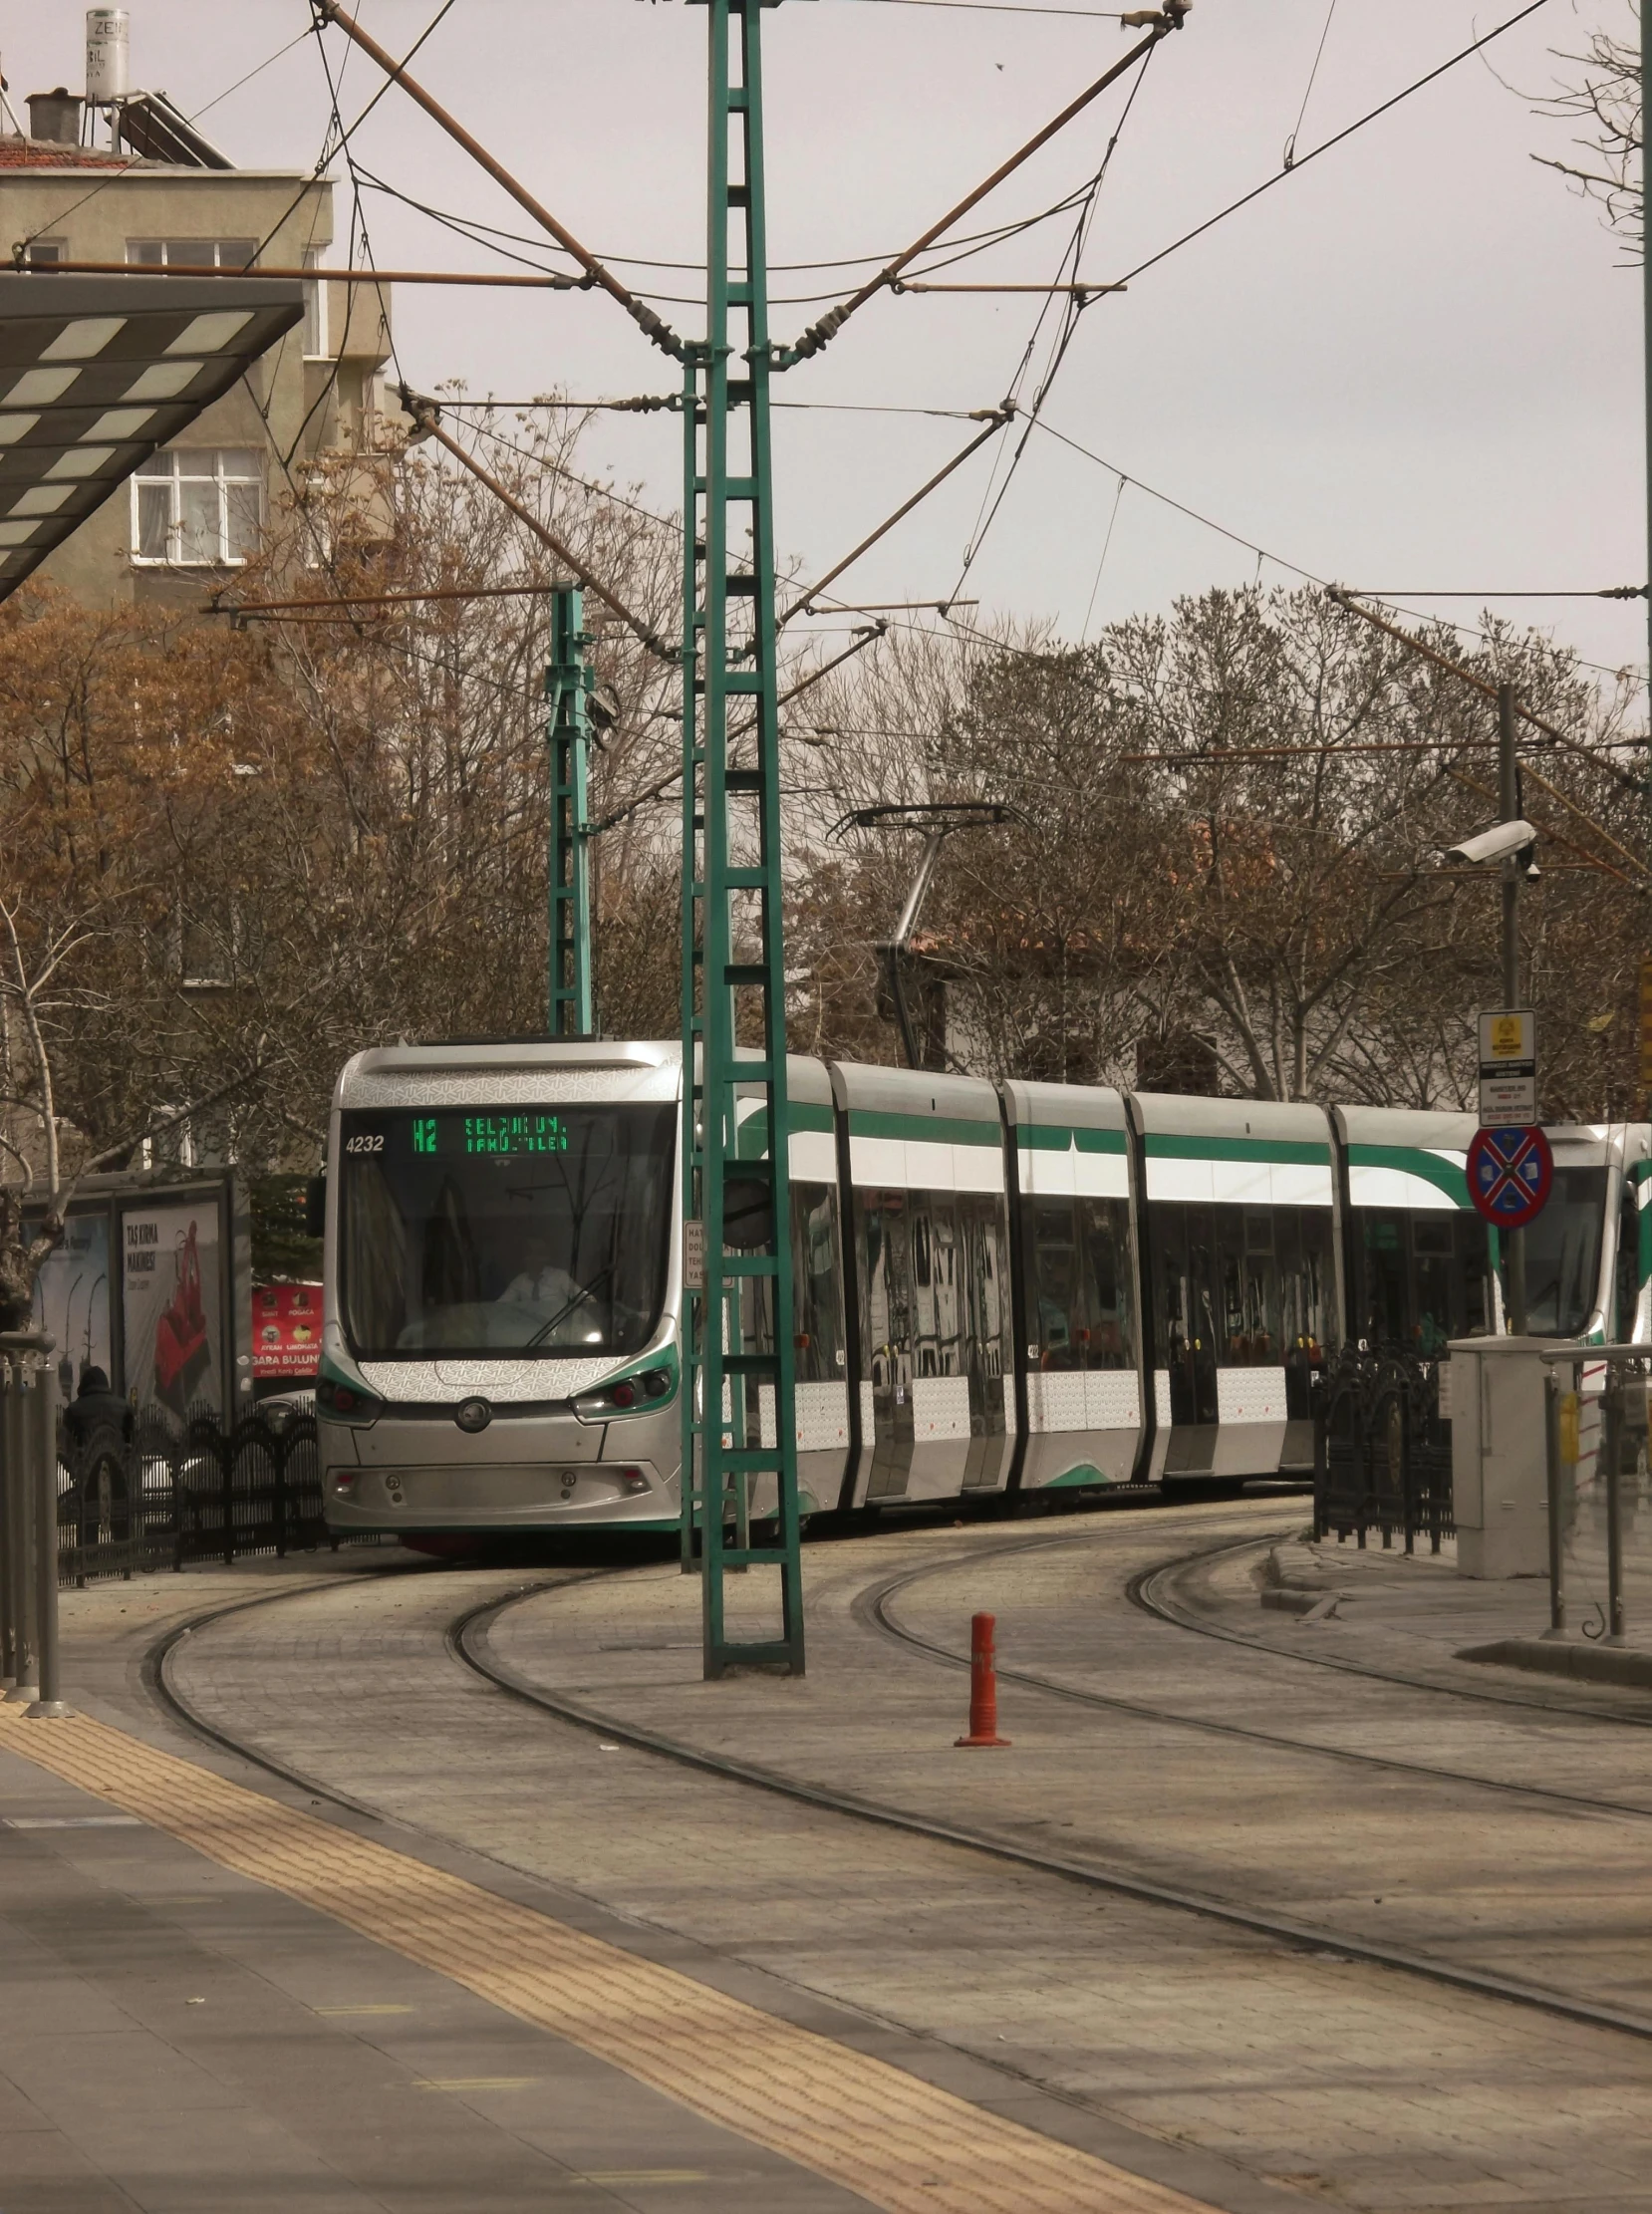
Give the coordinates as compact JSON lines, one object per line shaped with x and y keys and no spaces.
{"x":822,"y":332}
{"x":652,"y":326}
{"x":426,"y":413}
{"x":1074,"y":309}
{"x":1301,"y":161}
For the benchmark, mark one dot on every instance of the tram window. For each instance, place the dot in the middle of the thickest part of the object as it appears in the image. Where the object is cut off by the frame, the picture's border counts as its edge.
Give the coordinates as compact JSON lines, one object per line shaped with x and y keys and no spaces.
{"x":1563,"y":1254}
{"x":1383,"y":1309}
{"x":984,"y":1318}
{"x":535,"y":1233}
{"x":1055,"y":1300}
{"x":817,"y":1277}
{"x":1249,"y":1289}
{"x":885,"y":1289}
{"x":1108,"y":1314}
{"x":1627,"y":1273}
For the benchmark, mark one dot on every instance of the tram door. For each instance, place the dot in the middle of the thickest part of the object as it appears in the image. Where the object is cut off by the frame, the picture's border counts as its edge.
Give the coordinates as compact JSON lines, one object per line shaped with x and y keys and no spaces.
{"x":1183,"y":1259}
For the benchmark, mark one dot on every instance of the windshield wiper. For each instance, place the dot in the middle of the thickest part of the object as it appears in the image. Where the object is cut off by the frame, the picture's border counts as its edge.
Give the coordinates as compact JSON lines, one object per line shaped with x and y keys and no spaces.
{"x":568,"y":1307}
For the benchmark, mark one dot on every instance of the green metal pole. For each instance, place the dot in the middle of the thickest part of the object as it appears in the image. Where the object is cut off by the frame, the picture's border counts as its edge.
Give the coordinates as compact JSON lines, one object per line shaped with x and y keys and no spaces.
{"x":568,"y":683}
{"x":736,"y":896}
{"x":693,"y":1298}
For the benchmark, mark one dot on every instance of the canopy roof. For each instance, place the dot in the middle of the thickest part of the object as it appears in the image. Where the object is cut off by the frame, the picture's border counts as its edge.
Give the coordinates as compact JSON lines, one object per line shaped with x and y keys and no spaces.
{"x":96,"y":373}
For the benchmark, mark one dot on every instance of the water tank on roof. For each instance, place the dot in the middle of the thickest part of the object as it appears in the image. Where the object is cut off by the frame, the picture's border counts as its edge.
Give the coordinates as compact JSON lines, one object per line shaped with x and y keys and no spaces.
{"x":107,"y":49}
{"x":56,"y":117}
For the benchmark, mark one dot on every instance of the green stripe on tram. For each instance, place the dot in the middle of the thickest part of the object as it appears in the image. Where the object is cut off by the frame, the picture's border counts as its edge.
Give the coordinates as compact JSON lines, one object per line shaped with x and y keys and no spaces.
{"x":1412,"y":1161}
{"x":1044,"y":1137}
{"x":801,"y":1114}
{"x":933,"y":1129}
{"x":1163,"y":1146}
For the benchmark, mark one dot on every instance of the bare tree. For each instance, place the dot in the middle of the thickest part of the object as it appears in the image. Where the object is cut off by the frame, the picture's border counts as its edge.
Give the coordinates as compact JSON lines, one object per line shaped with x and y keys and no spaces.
{"x":1605,"y":97}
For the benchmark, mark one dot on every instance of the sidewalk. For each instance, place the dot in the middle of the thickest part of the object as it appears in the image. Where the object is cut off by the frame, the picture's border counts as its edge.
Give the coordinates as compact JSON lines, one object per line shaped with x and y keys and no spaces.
{"x":1394,"y":1610}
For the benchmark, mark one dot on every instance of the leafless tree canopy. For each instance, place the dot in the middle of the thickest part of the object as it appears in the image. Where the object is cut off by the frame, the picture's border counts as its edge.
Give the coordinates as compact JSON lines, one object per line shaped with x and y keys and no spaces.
{"x":1604,"y":97}
{"x":235,"y":854}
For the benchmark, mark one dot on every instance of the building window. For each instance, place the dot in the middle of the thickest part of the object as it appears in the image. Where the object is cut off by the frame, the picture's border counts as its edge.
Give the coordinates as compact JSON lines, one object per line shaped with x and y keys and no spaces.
{"x":197,"y":508}
{"x":315,"y":310}
{"x":192,"y":254}
{"x":46,"y":253}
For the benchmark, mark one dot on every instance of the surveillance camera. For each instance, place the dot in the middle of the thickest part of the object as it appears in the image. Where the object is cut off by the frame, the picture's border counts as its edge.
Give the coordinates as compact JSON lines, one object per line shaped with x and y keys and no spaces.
{"x":1500,"y":843}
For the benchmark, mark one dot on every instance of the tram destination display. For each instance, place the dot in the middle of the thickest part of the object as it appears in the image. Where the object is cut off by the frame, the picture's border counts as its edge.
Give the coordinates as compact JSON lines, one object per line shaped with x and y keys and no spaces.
{"x":470,"y":1134}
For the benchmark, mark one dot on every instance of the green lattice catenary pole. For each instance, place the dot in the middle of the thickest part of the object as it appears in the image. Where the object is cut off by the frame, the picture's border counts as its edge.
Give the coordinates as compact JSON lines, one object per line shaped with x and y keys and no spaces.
{"x":568,"y":683}
{"x":738,"y":1381}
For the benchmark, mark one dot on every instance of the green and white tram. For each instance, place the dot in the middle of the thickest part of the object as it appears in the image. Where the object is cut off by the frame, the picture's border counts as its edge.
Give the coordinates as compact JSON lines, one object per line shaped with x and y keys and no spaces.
{"x":997,"y":1287}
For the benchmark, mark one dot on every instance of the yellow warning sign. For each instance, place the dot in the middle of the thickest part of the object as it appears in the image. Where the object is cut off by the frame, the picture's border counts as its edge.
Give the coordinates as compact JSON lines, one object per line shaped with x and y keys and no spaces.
{"x":1507,"y":1038}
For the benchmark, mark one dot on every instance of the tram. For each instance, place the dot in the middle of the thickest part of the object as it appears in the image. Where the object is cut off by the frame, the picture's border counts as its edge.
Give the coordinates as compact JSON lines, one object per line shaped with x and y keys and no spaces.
{"x":997,"y":1287}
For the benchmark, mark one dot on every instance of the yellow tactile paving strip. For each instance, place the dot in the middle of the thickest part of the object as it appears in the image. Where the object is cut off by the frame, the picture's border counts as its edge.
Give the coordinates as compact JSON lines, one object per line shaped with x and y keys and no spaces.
{"x":899,"y":2143}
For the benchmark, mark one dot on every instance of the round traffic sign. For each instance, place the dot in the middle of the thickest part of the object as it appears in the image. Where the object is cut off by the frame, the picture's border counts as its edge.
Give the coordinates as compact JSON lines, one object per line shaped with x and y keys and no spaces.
{"x":1509,"y":1173}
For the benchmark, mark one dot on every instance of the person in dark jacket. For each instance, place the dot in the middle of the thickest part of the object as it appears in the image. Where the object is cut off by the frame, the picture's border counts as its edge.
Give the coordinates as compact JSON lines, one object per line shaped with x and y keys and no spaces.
{"x":97,"y":1411}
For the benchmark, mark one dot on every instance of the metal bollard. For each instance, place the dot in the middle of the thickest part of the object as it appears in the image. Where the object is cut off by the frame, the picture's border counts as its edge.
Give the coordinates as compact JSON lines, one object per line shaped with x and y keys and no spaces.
{"x":1610,"y":1433}
{"x":19,"y":1518}
{"x":8,"y":1460}
{"x":49,"y":1703}
{"x":1556,"y":1556}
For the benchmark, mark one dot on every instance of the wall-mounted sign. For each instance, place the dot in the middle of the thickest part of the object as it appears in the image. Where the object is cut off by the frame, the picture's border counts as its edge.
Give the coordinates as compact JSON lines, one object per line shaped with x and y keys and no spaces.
{"x":1507,"y":1067}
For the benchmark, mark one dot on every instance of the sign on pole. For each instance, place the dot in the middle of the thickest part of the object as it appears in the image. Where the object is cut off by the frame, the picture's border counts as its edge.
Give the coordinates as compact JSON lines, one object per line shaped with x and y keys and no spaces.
{"x":1507,"y":1067}
{"x":1509,"y":1173}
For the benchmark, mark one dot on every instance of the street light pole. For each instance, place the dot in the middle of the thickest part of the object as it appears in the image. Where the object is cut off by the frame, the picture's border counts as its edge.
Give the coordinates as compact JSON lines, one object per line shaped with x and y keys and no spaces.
{"x":1509,"y":794}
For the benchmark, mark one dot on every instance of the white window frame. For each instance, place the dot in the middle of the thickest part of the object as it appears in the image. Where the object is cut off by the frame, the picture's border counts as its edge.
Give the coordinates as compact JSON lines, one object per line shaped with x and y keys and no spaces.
{"x":315,"y":308}
{"x":201,"y":250}
{"x":180,"y":473}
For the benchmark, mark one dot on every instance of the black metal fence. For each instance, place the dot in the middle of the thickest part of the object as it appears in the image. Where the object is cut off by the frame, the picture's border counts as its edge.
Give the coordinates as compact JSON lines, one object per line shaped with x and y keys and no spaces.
{"x":1382,"y":1456}
{"x":164,"y":1495}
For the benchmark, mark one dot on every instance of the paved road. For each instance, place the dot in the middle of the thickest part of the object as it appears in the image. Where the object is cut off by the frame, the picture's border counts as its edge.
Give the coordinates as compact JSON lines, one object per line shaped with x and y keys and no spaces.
{"x":1292,"y":2074}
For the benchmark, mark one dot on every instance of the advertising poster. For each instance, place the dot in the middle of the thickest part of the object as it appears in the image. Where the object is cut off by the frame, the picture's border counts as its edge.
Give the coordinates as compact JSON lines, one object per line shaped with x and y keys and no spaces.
{"x":286,"y":1331}
{"x":72,"y":1303}
{"x":171,"y":1305}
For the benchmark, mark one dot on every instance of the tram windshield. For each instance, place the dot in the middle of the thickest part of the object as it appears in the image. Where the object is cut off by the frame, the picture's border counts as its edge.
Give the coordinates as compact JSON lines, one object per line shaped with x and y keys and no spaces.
{"x":1563,"y":1254}
{"x":470,"y":1230}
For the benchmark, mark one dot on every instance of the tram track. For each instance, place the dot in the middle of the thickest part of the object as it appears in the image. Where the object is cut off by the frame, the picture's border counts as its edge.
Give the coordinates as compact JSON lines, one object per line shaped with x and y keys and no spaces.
{"x":1147,"y":1590}
{"x":874,"y":1606}
{"x":467,"y":1637}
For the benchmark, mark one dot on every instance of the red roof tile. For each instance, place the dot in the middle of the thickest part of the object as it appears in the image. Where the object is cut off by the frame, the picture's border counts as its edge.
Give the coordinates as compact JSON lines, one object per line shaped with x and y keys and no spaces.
{"x":47,"y":153}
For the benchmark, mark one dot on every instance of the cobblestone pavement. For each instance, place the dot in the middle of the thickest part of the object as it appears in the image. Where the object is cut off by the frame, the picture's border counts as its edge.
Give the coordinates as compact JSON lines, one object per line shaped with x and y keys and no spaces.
{"x":1300,"y":2073}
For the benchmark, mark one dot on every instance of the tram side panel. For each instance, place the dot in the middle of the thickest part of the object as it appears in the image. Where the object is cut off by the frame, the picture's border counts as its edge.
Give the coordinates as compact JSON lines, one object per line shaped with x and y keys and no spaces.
{"x":1077,"y":1254}
{"x":926,"y":1222}
{"x":1242,"y":1280}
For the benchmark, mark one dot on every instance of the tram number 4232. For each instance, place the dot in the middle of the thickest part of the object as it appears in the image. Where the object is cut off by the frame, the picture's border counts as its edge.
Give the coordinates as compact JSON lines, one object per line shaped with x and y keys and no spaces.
{"x":366,"y":1142}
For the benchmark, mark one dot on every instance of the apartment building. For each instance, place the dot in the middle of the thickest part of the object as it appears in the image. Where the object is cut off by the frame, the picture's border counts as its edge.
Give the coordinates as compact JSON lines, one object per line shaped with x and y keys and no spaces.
{"x":197,"y":509}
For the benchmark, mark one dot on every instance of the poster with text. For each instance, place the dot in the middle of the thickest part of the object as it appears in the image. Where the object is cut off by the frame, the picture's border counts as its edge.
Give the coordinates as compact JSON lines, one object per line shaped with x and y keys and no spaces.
{"x":286,"y":1331}
{"x":72,"y":1303}
{"x":171,"y":1305}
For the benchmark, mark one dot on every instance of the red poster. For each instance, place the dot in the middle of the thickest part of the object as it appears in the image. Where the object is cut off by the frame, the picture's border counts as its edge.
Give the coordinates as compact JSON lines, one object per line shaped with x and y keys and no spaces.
{"x":286,"y":1330}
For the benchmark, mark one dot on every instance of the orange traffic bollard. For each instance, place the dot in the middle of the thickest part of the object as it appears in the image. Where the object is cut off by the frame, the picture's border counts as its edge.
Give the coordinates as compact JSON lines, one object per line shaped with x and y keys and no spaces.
{"x":984,"y":1685}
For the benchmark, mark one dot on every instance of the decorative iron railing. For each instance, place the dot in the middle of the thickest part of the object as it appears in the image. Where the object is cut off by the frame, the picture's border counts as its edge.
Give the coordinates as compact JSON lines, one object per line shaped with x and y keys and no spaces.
{"x":1382,"y":1456}
{"x":164,"y":1495}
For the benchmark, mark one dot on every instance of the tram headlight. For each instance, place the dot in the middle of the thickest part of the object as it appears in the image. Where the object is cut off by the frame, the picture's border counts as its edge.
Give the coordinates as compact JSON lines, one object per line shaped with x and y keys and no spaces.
{"x":628,"y":1395}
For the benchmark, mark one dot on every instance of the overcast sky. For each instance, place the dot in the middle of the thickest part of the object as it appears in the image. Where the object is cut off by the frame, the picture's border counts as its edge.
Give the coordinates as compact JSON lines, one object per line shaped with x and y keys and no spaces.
{"x":1415,"y":364}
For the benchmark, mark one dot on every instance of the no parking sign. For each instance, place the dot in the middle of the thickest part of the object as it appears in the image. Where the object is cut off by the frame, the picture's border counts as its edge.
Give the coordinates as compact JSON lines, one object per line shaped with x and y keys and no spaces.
{"x":1509,"y":1173}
